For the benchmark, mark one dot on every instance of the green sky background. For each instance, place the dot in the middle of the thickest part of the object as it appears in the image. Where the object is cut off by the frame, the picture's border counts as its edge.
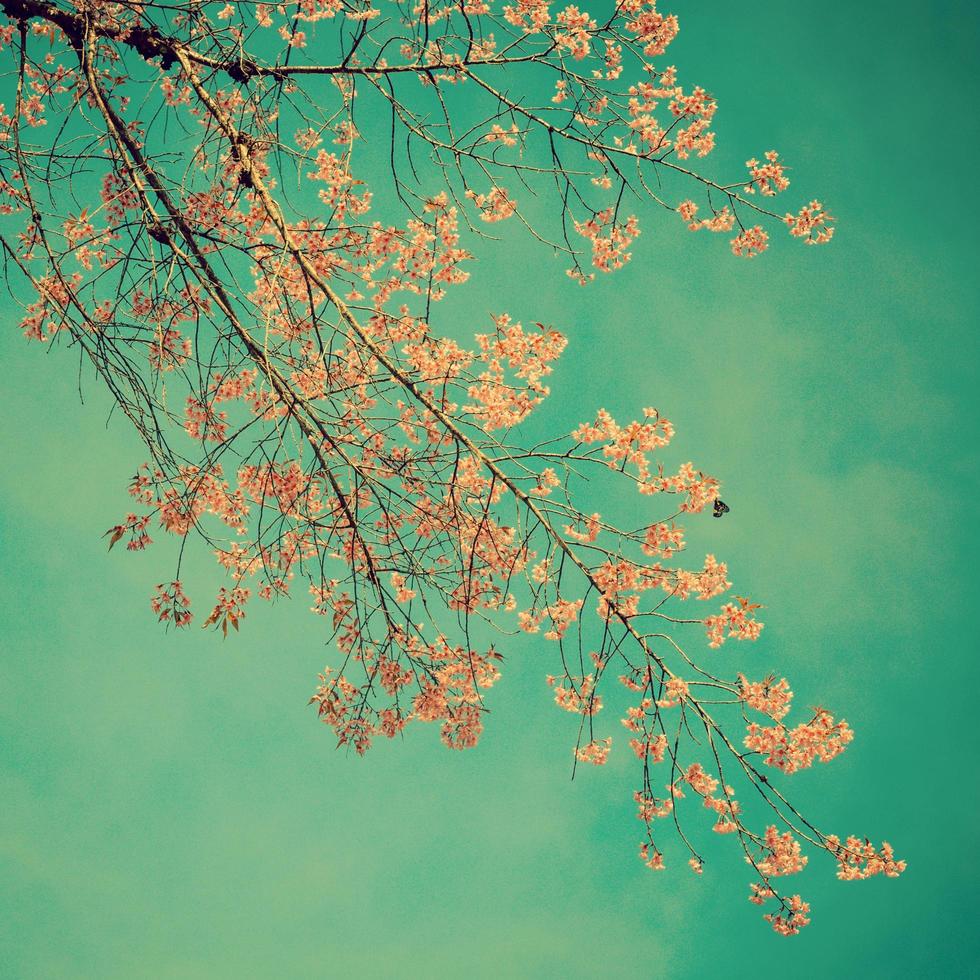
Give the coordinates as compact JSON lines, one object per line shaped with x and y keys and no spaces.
{"x":170,"y":808}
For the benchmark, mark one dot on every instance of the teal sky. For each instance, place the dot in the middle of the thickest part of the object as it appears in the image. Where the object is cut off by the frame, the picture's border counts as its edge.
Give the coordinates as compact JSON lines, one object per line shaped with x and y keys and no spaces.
{"x":170,"y":806}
